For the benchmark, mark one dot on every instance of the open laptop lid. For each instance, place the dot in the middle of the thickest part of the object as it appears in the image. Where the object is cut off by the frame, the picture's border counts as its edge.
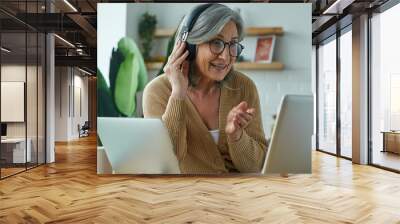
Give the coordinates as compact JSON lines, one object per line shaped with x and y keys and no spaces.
{"x":290,"y":147}
{"x":137,"y":146}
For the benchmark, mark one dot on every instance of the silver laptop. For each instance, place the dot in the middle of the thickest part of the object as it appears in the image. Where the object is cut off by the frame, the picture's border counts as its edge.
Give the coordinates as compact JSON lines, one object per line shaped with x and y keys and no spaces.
{"x":137,"y":146}
{"x":290,"y":146}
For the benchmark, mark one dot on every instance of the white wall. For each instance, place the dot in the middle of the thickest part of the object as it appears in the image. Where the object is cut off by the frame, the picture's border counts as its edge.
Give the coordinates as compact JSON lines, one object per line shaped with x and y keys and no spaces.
{"x":134,"y":12}
{"x":111,"y":27}
{"x":67,"y":80}
{"x":293,"y":49}
{"x":61,"y":103}
{"x":14,"y":72}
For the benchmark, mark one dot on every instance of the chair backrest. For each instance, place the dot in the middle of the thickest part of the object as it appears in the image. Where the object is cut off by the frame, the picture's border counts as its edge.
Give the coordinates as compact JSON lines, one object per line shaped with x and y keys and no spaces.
{"x":86,"y":125}
{"x":290,"y":147}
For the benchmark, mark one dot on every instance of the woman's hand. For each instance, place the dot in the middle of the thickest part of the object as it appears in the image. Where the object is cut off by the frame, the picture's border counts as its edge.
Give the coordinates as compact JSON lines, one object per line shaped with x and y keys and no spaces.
{"x":238,"y":119}
{"x":177,"y":69}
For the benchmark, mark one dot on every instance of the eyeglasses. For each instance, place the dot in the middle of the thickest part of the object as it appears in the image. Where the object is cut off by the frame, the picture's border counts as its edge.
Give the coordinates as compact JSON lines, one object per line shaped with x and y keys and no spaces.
{"x":217,"y":46}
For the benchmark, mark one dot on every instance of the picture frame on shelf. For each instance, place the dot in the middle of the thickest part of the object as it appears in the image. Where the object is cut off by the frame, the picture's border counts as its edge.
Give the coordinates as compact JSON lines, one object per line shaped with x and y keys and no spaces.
{"x":265,"y":49}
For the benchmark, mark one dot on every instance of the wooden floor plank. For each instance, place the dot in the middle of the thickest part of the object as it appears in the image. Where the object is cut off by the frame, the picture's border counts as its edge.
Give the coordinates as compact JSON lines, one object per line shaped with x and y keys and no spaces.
{"x":70,"y":191}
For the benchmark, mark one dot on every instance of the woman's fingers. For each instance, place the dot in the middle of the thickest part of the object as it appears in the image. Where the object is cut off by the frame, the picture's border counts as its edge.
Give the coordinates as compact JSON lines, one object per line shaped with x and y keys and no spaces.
{"x":178,"y":62}
{"x":178,"y":52}
{"x":240,"y":116}
{"x":241,"y":119}
{"x":172,"y":59}
{"x":181,"y":48}
{"x":171,"y":56}
{"x":247,"y":113}
{"x":242,"y":106}
{"x":177,"y":45}
{"x":248,"y":117}
{"x":236,"y":123}
{"x":251,"y":111}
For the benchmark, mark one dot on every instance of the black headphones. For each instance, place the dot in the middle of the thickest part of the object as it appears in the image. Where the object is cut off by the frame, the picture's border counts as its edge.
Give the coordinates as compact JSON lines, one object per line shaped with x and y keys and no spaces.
{"x":187,"y":27}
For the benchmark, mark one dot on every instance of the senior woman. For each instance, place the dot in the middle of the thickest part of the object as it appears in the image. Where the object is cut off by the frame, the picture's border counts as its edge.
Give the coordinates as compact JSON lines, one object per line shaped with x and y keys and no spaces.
{"x":211,"y":111}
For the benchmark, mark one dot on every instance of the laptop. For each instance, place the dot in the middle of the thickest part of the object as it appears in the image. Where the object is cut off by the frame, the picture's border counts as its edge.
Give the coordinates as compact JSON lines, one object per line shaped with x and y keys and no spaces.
{"x":137,"y":146}
{"x":290,"y":146}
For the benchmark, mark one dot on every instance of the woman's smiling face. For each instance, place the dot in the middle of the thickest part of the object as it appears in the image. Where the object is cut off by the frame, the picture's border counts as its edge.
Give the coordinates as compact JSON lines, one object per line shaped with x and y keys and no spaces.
{"x":216,"y":66}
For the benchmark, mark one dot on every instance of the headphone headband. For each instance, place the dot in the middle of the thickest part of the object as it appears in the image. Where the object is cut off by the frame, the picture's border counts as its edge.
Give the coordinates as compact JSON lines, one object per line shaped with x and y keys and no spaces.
{"x":191,"y":20}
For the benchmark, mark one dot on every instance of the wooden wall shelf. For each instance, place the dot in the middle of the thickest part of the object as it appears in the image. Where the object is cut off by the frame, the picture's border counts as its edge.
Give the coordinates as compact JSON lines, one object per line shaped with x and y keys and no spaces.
{"x":250,"y":31}
{"x":154,"y":65}
{"x":238,"y":65}
{"x":259,"y":31}
{"x":259,"y":66}
{"x":165,"y":32}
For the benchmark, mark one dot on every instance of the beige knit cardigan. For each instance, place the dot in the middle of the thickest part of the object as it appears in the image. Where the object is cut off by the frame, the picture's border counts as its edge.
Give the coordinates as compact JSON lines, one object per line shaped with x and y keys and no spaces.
{"x":194,"y":146}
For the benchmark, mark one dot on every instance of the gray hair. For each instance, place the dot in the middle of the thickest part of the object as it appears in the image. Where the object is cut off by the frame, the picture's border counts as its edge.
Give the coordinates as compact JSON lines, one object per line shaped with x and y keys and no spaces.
{"x":211,"y":22}
{"x":208,"y":25}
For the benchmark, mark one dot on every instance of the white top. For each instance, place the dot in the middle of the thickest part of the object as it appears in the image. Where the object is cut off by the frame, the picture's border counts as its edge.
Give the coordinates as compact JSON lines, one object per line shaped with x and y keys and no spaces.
{"x":215,"y":135}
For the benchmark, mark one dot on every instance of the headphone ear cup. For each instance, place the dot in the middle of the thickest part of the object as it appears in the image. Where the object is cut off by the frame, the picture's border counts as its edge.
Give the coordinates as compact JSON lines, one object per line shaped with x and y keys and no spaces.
{"x":192,"y":51}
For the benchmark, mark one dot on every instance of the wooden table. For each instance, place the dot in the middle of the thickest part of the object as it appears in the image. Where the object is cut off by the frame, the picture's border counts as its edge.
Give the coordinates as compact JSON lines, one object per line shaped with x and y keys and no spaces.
{"x":391,"y":141}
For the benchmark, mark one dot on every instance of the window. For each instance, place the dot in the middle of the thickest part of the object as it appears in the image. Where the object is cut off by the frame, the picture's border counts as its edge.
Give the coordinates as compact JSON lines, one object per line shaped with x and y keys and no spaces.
{"x":385,"y":89}
{"x":327,"y":97}
{"x":346,"y":94}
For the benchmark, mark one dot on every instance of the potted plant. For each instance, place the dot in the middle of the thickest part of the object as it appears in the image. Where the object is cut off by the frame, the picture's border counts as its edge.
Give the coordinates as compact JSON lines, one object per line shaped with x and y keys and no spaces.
{"x":127,"y":76}
{"x":147,"y":27}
